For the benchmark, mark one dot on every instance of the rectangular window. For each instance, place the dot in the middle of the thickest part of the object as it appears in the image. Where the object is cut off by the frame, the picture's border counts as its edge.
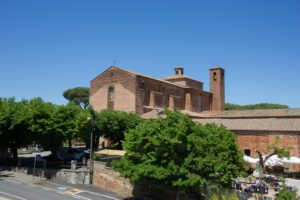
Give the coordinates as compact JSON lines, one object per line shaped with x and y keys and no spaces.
{"x":111,"y":93}
{"x":247,"y":152}
{"x":142,"y":85}
{"x":165,"y":101}
{"x":143,"y":96}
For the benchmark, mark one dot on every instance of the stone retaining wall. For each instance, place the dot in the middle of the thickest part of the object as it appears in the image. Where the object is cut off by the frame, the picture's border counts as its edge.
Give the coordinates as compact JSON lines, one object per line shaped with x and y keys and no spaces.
{"x":110,"y":180}
{"x":78,"y":176}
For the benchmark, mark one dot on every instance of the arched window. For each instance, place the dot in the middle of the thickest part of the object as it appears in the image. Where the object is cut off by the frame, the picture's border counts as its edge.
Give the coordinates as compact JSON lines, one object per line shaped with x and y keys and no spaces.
{"x":215,"y":76}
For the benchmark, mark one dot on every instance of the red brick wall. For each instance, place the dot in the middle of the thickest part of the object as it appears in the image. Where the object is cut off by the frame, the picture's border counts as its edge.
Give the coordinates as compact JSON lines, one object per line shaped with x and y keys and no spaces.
{"x":217,"y":88}
{"x":125,"y":87}
{"x":133,"y":93}
{"x":160,"y":90}
{"x":259,"y":140}
{"x":206,"y":101}
{"x":187,"y":82}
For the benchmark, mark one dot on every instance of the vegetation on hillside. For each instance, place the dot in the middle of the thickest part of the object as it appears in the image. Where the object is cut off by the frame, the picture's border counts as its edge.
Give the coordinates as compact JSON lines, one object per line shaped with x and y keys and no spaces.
{"x":230,"y":106}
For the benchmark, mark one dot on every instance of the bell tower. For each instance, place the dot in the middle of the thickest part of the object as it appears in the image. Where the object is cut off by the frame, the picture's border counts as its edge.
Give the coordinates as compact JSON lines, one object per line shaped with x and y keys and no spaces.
{"x":217,"y":88}
{"x":179,"y":70}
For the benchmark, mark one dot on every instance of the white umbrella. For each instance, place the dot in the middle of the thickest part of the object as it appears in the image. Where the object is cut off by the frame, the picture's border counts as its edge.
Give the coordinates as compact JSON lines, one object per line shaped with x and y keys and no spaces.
{"x":250,"y":159}
{"x":273,"y":161}
{"x":291,"y":160}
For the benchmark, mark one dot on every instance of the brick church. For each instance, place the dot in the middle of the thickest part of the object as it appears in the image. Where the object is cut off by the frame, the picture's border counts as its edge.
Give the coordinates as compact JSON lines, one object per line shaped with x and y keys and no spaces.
{"x":124,"y":90}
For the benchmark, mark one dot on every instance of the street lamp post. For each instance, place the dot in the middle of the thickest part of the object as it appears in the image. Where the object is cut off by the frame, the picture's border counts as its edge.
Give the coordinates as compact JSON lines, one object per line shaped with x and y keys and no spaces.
{"x":91,"y":149}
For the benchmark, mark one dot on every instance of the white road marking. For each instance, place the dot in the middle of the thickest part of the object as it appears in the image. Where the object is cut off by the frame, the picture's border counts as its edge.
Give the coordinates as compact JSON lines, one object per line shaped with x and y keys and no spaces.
{"x":81,"y":197}
{"x":12,"y":195}
{"x":54,"y":184}
{"x":9,"y":180}
{"x":102,"y":195}
{"x":78,"y":196}
{"x":77,"y":192}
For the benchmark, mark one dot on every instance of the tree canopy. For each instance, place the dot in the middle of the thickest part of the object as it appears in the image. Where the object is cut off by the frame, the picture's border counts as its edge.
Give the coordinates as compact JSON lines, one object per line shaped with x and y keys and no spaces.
{"x":230,"y":106}
{"x":34,"y":121}
{"x":78,"y":95}
{"x":113,"y":124}
{"x":175,"y":153}
{"x":14,"y":122}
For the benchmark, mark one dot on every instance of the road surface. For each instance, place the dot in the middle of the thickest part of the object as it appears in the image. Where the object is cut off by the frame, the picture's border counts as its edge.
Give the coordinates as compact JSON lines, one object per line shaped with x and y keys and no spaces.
{"x":14,"y":190}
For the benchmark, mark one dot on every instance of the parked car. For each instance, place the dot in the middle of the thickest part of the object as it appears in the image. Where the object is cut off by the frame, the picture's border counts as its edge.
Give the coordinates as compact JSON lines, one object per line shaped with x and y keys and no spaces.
{"x":67,"y":154}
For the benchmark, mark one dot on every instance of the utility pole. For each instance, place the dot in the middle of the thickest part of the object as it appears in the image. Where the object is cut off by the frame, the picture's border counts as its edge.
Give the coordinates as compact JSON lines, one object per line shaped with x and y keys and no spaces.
{"x":91,"y":149}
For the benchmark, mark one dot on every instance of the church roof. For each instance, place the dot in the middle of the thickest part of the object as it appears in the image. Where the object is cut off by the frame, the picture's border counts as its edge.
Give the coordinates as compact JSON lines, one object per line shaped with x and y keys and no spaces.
{"x":153,"y":114}
{"x":265,"y":124}
{"x":259,"y":113}
{"x":179,"y":76}
{"x":141,"y":75}
{"x":247,"y":120}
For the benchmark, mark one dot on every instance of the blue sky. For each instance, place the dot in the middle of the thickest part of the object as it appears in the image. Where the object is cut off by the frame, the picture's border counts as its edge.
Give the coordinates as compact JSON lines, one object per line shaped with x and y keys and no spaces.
{"x":47,"y":47}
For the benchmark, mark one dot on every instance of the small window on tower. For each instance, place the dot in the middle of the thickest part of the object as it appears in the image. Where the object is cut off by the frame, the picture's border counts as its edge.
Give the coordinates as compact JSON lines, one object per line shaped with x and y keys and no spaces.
{"x":177,"y":72}
{"x":215,"y":76}
{"x":182,"y":71}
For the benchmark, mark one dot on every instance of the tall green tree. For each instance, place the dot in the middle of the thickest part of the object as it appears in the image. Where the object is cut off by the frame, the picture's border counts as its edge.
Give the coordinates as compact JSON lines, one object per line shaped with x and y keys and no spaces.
{"x":175,"y":153}
{"x":274,"y":149}
{"x":66,"y":120}
{"x":42,"y":124}
{"x":113,"y":124}
{"x":78,"y":95}
{"x":26,"y":122}
{"x":14,"y":123}
{"x":85,"y":126}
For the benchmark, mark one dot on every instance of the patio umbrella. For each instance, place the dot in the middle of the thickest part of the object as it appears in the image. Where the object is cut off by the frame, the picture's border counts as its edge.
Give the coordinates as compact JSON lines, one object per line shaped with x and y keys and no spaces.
{"x":291,"y":160}
{"x":273,"y":161}
{"x":250,"y":159}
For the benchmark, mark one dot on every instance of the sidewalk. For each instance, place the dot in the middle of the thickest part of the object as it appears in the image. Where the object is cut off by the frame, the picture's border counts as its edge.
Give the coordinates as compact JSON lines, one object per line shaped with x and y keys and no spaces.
{"x":88,"y":188}
{"x":18,"y":176}
{"x":293,"y":183}
{"x":55,"y":184}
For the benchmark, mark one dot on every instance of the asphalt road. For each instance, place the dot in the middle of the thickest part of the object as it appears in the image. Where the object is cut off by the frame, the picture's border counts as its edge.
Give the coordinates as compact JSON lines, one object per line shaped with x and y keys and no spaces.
{"x":13,"y":190}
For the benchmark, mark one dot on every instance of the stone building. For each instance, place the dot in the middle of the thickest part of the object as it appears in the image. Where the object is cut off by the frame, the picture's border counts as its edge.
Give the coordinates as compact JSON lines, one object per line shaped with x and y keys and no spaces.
{"x":124,"y":90}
